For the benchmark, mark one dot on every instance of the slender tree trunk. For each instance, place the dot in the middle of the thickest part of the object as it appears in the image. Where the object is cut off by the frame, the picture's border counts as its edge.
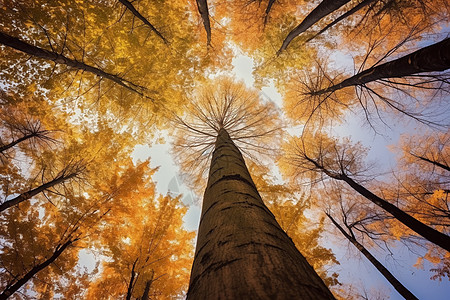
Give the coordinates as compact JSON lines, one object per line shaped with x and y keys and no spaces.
{"x":433,"y":58}
{"x":361,"y":5}
{"x":19,"y":140}
{"x":385,"y":272}
{"x":132,"y":281}
{"x":324,"y":8}
{"x":436,"y":163}
{"x":202,"y":6}
{"x":429,"y":233}
{"x":266,"y":13}
{"x":134,"y":11}
{"x":22,"y":46}
{"x":242,"y":252}
{"x":28,"y":195}
{"x":19,"y":283}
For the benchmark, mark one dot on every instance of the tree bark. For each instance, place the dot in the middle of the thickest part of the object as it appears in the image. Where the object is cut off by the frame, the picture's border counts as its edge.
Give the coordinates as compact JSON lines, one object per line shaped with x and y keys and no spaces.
{"x":22,"y":46}
{"x":134,"y":11}
{"x":242,"y":252}
{"x":19,"y":283}
{"x":433,"y":58}
{"x":385,"y":272}
{"x":342,"y":17}
{"x":324,"y":8}
{"x":28,"y":195}
{"x":202,"y":6}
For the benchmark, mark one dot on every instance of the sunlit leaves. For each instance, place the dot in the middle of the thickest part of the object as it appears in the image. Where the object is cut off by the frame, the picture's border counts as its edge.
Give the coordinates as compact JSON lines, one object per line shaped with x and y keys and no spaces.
{"x":252,"y":124}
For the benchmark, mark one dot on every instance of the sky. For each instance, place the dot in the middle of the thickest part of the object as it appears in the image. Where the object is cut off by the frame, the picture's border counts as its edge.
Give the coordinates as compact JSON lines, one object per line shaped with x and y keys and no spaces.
{"x":354,"y":268}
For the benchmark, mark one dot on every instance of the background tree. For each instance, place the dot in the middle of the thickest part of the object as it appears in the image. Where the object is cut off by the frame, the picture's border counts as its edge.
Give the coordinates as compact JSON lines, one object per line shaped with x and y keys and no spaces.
{"x":152,"y":252}
{"x":342,"y":162}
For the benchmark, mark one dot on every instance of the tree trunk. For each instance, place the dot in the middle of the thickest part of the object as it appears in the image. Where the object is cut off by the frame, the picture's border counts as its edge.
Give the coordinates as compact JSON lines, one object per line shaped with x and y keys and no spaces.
{"x":19,"y":283}
{"x":342,"y":17}
{"x":242,"y":252}
{"x":19,"y":140}
{"x":134,"y":11}
{"x":433,"y":58}
{"x":385,"y":272}
{"x":429,"y":233}
{"x":324,"y":8}
{"x":22,"y":46}
{"x":433,"y":162}
{"x":132,"y":281}
{"x":28,"y":195}
{"x":266,"y":13}
{"x":202,"y":6}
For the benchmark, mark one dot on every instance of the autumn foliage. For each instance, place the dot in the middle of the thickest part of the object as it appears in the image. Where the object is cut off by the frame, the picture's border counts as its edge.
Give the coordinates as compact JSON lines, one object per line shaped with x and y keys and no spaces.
{"x":82,"y":83}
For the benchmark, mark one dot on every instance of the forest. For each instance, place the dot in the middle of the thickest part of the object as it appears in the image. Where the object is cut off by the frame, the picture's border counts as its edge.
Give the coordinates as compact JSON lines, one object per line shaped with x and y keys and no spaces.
{"x":325,"y":177}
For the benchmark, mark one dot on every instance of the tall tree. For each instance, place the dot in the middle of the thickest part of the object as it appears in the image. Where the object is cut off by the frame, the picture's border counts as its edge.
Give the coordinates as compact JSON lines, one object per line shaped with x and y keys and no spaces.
{"x":375,"y":262}
{"x":241,"y":250}
{"x":153,"y":248}
{"x":135,"y":12}
{"x":339,"y":161}
{"x":433,"y":58}
{"x":324,"y":8}
{"x":202,"y":6}
{"x":356,"y":8}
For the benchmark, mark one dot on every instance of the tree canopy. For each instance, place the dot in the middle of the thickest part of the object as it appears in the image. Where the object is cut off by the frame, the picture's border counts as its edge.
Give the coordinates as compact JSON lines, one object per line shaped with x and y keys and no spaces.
{"x":84,"y":83}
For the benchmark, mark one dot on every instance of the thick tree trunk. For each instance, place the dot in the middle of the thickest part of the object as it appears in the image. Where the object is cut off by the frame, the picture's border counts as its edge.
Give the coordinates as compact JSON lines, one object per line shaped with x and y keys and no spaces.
{"x":19,"y":140}
{"x":242,"y":252}
{"x":22,"y":46}
{"x":433,"y":58}
{"x":202,"y":6}
{"x":385,"y":272}
{"x":28,"y":195}
{"x":429,"y":233}
{"x":134,"y":11}
{"x":342,"y":17}
{"x":22,"y":281}
{"x":324,"y":8}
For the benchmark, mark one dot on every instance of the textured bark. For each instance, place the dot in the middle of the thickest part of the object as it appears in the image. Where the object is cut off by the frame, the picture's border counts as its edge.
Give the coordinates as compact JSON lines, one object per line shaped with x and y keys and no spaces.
{"x":23,"y":280}
{"x":28,"y":195}
{"x":22,"y":46}
{"x":385,"y":272}
{"x":202,"y":6}
{"x":433,"y":58}
{"x":324,"y":8}
{"x":135,"y":12}
{"x":242,"y":252}
{"x":360,"y":5}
